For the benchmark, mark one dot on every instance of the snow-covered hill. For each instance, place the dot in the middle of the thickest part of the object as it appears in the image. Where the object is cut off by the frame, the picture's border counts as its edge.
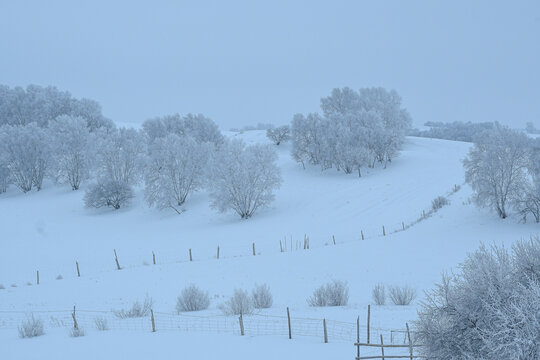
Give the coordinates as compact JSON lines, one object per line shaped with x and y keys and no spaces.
{"x":50,"y":230}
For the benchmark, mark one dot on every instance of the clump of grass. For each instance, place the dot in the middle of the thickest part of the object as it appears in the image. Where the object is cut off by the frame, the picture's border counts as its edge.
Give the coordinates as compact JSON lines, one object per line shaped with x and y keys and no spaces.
{"x":31,"y":327}
{"x":136,"y":310}
{"x":101,"y":323}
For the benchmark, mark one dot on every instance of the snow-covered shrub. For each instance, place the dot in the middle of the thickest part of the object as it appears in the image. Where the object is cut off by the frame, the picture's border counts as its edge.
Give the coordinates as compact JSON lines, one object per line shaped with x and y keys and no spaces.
{"x":192,"y":299}
{"x":111,"y":193}
{"x":137,"y":310}
{"x":31,"y":327}
{"x":76,"y":332}
{"x":457,"y":130}
{"x":488,"y":309}
{"x":176,"y":167}
{"x":59,"y":277}
{"x":2,"y":287}
{"x":379,"y":294}
{"x":279,"y":134}
{"x":401,"y":295}
{"x":262,"y":297}
{"x":101,"y":323}
{"x":335,"y":293}
{"x":243,"y":178}
{"x":439,"y":202}
{"x":239,"y":303}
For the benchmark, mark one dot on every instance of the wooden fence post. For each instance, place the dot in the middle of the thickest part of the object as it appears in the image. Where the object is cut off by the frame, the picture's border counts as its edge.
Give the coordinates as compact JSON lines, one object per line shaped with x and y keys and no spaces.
{"x":410,"y":342}
{"x":289,"y":321}
{"x":37,"y":277}
{"x":358,"y":336}
{"x":334,"y":239}
{"x":78,"y":272}
{"x":75,"y":324}
{"x":253,"y":247}
{"x":423,"y":213}
{"x":383,"y":231}
{"x":382,"y":347}
{"x":241,"y":321}
{"x":218,"y":252}
{"x":190,"y":257}
{"x":362,"y":232}
{"x":116,"y":259}
{"x":403,"y":225}
{"x":325,"y":332}
{"x":280,"y":246}
{"x":153,"y":258}
{"x":153,"y":321}
{"x":368,"y":318}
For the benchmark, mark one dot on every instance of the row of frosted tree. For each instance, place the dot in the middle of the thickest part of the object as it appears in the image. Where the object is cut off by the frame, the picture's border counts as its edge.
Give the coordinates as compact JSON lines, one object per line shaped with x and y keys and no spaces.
{"x":171,"y":156}
{"x":503,"y":169}
{"x":356,"y":129}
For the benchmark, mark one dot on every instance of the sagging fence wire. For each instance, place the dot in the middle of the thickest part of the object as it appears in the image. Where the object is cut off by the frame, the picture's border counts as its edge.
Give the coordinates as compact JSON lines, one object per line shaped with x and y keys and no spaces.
{"x":254,"y":325}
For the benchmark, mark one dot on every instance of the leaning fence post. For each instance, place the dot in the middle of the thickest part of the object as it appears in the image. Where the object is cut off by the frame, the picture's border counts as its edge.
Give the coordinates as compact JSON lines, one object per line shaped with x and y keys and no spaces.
{"x":410,"y":342}
{"x":153,"y":321}
{"x":334,"y":239}
{"x":37,"y":277}
{"x":241,"y":321}
{"x":253,"y":246}
{"x":382,"y":347}
{"x":153,"y":258}
{"x":78,"y":272}
{"x":325,"y":332}
{"x":116,"y":259}
{"x":280,"y":246}
{"x":383,"y":231}
{"x":362,"y":233}
{"x":368,"y":316}
{"x":289,"y":321}
{"x":75,"y":324}
{"x":190,"y":257}
{"x":358,"y":337}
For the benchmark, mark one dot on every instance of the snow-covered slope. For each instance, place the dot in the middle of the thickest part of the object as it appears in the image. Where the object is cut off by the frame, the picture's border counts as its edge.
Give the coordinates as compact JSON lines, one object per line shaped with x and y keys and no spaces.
{"x":50,"y":230}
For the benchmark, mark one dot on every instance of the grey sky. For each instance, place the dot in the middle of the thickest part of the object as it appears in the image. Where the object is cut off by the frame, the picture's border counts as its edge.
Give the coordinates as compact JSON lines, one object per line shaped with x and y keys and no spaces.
{"x":245,"y":62}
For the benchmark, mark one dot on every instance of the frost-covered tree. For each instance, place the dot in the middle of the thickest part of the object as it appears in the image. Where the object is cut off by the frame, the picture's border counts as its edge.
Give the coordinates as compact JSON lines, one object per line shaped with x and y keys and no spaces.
{"x":279,"y":134}
{"x":40,"y":105}
{"x":4,"y":177}
{"x":112,"y":193}
{"x":244,"y":178}
{"x":176,"y":167}
{"x":357,"y":129}
{"x":73,"y":149}
{"x":121,"y":155}
{"x":199,"y":127}
{"x":26,"y":153}
{"x":496,"y":168}
{"x":489,"y":309}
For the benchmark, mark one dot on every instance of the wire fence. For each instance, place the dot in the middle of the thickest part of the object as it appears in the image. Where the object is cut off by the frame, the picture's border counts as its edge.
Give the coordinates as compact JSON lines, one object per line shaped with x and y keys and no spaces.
{"x":254,"y":325}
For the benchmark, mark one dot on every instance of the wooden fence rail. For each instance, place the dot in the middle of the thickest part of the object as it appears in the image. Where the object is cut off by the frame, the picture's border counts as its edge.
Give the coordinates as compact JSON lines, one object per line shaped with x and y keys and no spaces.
{"x":410,"y":347}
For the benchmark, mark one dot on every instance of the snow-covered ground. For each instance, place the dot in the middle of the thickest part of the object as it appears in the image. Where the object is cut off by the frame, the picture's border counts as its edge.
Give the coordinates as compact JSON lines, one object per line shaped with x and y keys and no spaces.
{"x":50,"y":230}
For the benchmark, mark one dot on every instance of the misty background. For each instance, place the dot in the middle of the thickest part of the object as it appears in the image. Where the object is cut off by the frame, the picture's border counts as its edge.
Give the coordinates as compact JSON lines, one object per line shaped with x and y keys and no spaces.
{"x":242,"y":63}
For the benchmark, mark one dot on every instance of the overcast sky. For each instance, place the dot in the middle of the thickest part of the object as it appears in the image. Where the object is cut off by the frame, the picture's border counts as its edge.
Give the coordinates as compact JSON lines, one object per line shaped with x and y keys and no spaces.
{"x":242,"y":63}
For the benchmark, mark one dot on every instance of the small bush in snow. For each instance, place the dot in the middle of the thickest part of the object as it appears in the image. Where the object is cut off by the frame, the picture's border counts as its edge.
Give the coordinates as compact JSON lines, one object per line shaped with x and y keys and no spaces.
{"x":439,"y":202}
{"x":111,"y":193}
{"x":101,"y":323}
{"x":239,"y":303}
{"x":262,"y":297}
{"x":29,"y":284}
{"x":137,"y":310}
{"x":403,"y":295}
{"x":76,"y":332}
{"x":13,"y":285}
{"x":335,"y":293}
{"x":379,"y":294}
{"x":2,"y":287}
{"x":59,"y":277}
{"x":279,"y":134}
{"x":192,"y":299}
{"x":31,"y":327}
